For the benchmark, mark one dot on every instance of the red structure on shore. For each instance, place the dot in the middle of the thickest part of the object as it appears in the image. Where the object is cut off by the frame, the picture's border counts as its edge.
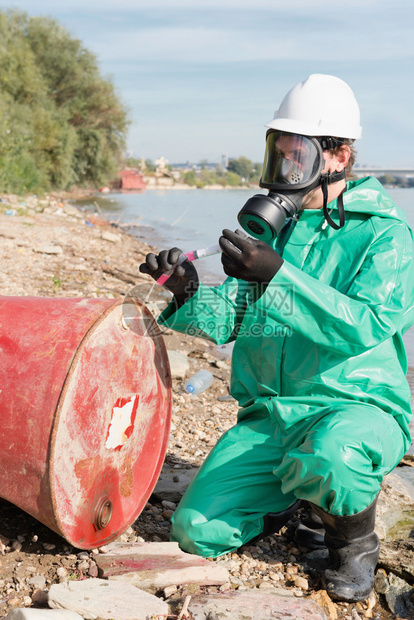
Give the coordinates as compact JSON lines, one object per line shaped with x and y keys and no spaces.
{"x":131,"y":179}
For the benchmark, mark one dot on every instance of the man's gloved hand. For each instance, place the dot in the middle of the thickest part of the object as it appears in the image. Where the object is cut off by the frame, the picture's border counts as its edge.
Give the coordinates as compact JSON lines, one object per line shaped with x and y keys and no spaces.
{"x":248,"y":259}
{"x":183,"y":282}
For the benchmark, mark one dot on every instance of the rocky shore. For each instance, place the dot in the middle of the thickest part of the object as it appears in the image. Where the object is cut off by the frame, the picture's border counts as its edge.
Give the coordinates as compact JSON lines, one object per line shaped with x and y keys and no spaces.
{"x":50,"y":248}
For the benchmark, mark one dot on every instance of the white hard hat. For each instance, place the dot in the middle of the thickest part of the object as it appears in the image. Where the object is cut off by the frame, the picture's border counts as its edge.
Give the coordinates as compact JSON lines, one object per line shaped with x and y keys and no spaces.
{"x":322,"y":105}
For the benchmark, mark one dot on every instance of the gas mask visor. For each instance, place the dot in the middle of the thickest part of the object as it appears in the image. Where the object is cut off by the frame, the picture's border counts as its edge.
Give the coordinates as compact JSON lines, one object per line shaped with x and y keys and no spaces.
{"x":291,"y":162}
{"x":292,"y":168}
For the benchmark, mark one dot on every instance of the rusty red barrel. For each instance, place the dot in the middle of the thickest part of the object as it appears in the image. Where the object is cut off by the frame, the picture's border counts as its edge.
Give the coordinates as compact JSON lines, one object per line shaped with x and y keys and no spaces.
{"x":85,"y":406}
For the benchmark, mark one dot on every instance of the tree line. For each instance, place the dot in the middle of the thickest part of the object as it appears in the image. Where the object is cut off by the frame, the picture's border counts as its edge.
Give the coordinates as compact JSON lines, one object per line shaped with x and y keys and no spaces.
{"x":240,"y":171}
{"x":61,"y":122}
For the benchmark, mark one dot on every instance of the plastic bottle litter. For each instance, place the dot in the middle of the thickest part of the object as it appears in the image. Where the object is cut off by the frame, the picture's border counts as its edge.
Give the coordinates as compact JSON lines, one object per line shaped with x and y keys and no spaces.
{"x":199,"y":382}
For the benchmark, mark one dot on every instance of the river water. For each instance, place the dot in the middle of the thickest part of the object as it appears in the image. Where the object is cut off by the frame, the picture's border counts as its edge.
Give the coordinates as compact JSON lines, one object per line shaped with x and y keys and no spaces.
{"x":191,"y":219}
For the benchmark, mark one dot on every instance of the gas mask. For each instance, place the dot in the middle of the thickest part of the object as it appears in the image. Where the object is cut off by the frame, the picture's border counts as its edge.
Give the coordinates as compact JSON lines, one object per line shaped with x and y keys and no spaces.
{"x":292,"y":167}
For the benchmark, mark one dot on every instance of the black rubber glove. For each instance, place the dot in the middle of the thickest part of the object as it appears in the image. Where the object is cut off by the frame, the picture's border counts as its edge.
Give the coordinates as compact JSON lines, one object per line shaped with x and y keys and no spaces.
{"x":248,"y":259}
{"x":183,"y":282}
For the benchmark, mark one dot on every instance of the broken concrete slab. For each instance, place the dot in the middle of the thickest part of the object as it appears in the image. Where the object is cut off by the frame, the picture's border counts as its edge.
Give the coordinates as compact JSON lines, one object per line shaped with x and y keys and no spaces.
{"x":252,"y":605}
{"x":94,"y":598}
{"x":42,"y":614}
{"x":154,"y":566}
{"x":173,"y":483}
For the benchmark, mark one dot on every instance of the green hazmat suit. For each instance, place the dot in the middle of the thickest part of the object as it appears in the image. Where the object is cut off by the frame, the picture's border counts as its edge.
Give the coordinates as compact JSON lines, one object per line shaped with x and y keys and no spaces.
{"x":318,"y":368}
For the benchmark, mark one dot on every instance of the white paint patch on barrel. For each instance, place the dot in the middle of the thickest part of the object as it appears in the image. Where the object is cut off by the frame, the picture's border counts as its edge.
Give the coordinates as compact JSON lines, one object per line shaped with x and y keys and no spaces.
{"x":121,"y":420}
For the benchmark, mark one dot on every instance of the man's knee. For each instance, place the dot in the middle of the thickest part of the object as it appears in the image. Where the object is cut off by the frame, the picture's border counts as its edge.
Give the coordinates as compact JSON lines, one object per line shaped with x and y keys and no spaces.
{"x":212,"y":538}
{"x":185,"y":532}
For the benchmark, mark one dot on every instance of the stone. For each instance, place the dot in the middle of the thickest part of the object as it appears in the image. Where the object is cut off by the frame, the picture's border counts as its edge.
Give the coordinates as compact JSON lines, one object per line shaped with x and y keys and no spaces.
{"x":395,"y":503}
{"x":42,"y":614}
{"x":169,"y":505}
{"x":73,"y":211}
{"x":38,"y":581}
{"x":39,"y":597}
{"x":253,"y":605}
{"x":179,"y":364}
{"x":324,"y":601}
{"x":92,"y":598}
{"x":399,"y":596}
{"x":169,"y":591}
{"x":112,"y":237}
{"x":381,"y":584}
{"x":397,"y":556}
{"x":172,"y":483}
{"x":48,"y":249}
{"x":221,"y":364}
{"x":61,"y":572}
{"x":301,"y":582}
{"x":155,"y":566}
{"x":93,"y":570}
{"x":266,"y":585}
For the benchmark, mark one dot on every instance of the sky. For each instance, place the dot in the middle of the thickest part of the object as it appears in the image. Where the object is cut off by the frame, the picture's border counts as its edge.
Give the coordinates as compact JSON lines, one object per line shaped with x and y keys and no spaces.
{"x":201,"y":78}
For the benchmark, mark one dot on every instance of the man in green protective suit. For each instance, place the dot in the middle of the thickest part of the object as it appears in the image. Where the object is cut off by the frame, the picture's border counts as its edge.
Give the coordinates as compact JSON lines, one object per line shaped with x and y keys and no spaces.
{"x":317,"y":300}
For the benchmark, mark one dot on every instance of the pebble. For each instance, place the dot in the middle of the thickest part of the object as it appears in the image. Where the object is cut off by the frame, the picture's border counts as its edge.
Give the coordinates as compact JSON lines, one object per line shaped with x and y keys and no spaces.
{"x":266,"y":585}
{"x":167,"y":514}
{"x":301,"y":582}
{"x":169,"y":591}
{"x":40,"y":597}
{"x":38,"y":582}
{"x":169,"y":505}
{"x":93,"y":570}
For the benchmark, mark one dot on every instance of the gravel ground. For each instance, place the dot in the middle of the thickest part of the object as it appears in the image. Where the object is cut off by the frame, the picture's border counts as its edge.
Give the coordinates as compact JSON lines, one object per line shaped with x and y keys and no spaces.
{"x":49,"y":248}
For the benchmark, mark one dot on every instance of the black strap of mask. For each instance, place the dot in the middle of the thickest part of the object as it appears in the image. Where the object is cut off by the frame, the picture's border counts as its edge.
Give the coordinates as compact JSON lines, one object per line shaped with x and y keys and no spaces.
{"x":326,"y":180}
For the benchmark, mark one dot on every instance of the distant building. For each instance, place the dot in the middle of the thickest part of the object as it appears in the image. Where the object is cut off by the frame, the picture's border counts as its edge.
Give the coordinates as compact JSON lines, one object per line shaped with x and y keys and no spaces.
{"x":131,"y":179}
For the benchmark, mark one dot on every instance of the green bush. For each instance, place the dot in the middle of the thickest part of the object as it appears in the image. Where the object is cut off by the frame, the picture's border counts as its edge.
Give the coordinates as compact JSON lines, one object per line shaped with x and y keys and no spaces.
{"x":61,"y":123}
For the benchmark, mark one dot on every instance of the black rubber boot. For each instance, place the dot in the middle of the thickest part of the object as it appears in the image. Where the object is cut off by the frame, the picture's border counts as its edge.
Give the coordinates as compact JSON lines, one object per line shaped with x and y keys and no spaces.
{"x":274,"y":521}
{"x":353,"y":551}
{"x":310,"y":532}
